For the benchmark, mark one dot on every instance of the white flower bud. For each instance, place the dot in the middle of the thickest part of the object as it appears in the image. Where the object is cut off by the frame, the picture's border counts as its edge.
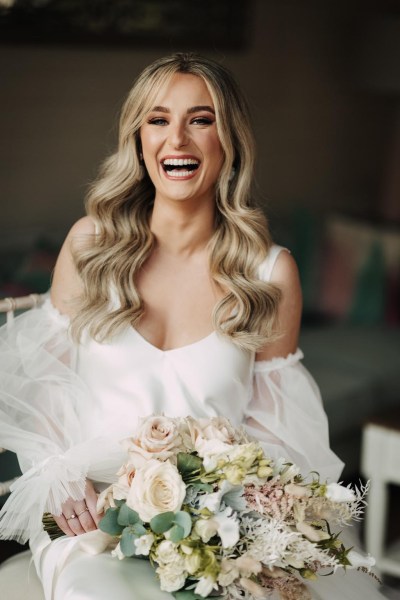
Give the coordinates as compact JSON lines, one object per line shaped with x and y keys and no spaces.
{"x":339,"y":493}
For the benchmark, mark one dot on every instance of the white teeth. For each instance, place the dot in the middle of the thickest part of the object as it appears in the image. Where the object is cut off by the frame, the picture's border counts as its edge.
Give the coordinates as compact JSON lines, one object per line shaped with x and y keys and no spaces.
{"x":181,"y":173}
{"x":180,"y":162}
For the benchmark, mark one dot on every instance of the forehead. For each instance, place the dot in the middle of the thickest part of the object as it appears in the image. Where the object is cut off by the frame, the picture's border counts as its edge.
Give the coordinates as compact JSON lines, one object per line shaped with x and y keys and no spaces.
{"x":184,"y":89}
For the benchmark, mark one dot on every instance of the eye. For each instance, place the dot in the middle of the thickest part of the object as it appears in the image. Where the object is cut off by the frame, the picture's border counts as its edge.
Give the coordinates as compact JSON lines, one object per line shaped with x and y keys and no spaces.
{"x":158,"y":121}
{"x":202,"y":121}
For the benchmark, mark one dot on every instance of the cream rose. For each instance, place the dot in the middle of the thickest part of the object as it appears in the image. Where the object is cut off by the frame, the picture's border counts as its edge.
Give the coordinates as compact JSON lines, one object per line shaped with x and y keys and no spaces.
{"x":156,"y":437}
{"x":172,"y":577}
{"x":116,"y":491}
{"x":156,"y":488}
{"x":212,"y":436}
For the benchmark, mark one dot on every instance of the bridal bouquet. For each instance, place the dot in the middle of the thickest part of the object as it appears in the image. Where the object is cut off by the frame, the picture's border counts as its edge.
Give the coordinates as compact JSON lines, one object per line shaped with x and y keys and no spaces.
{"x":217,"y":517}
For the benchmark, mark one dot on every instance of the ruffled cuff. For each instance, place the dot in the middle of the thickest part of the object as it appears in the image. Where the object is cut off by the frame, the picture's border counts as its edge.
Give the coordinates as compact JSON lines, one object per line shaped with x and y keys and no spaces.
{"x":43,"y":488}
{"x":46,"y":415}
{"x":286,"y":414}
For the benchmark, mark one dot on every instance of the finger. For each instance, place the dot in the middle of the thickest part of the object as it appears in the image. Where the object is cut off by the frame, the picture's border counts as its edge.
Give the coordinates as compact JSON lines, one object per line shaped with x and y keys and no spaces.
{"x":87,"y":522}
{"x":91,"y":502}
{"x":63,"y":524}
{"x":69,"y":513}
{"x":85,"y":518}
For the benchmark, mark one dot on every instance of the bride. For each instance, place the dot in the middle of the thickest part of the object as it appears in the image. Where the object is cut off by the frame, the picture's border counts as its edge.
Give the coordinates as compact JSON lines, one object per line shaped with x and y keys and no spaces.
{"x":169,"y":296}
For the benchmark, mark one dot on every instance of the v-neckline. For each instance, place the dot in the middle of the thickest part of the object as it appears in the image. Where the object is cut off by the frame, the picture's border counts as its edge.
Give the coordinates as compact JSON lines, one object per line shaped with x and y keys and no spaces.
{"x":171,"y":350}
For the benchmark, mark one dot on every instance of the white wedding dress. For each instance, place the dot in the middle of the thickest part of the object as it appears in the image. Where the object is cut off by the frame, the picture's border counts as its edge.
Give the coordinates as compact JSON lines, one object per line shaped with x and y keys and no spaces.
{"x":64,"y":408}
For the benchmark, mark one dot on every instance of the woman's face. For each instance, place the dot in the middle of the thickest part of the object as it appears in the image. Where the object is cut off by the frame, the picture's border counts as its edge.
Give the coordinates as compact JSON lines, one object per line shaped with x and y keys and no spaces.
{"x":180,"y":143}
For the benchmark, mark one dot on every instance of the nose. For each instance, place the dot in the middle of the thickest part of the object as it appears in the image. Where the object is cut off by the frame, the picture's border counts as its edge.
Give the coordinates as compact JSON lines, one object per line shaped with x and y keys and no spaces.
{"x":178,"y":135}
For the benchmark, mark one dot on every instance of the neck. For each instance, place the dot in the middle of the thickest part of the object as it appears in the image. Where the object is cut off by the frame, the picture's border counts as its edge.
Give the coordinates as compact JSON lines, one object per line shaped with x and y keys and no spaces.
{"x":182,"y":229}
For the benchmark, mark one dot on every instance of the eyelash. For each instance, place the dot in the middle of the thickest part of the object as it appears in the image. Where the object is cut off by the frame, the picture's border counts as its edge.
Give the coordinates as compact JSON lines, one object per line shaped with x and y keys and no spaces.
{"x":196,"y":121}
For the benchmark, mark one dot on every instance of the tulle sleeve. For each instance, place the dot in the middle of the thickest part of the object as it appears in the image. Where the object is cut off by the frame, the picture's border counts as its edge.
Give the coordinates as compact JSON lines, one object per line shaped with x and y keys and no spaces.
{"x":45,"y":410}
{"x":286,"y":414}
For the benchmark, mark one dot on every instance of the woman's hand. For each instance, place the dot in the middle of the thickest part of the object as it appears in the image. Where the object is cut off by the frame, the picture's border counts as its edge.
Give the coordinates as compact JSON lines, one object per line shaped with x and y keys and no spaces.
{"x":79,"y":516}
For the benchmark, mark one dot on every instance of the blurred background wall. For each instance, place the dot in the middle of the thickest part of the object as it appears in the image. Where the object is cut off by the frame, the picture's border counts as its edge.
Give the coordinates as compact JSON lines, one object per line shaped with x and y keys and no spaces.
{"x":324,"y":106}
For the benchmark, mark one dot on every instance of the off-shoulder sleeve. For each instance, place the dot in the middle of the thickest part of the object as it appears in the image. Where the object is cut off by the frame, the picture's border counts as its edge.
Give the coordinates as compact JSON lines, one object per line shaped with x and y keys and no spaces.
{"x":286,"y":414}
{"x":44,"y":412}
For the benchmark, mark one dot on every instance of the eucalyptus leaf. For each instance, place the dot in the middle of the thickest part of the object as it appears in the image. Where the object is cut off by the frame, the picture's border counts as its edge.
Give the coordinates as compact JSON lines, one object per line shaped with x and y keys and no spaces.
{"x":202,"y":487}
{"x":188,"y":464}
{"x":162,"y":522}
{"x":139,"y":529}
{"x":176,"y":533}
{"x":183,"y":519}
{"x":127,"y":542}
{"x":109,"y":523}
{"x":127,"y":516}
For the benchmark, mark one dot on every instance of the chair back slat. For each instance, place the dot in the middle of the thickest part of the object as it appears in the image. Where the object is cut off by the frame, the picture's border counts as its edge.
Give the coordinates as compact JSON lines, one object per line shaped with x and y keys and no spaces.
{"x":10,"y":305}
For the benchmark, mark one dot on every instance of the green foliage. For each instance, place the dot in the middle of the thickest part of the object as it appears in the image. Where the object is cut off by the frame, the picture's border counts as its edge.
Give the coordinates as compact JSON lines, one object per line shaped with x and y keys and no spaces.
{"x":202,"y":487}
{"x":127,"y":516}
{"x":109,"y":523}
{"x":176,"y":533}
{"x":183,"y":519}
{"x":178,"y":525}
{"x":189,"y":466}
{"x":128,"y":542}
{"x":162,"y":522}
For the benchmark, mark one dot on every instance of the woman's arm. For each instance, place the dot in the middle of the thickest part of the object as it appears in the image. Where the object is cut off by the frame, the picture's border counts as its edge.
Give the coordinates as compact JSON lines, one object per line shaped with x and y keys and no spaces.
{"x":66,"y":284}
{"x":286,"y":276}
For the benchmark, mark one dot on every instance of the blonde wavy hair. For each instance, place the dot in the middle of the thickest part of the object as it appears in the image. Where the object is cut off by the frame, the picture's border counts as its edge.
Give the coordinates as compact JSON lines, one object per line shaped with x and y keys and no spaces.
{"x":120,"y":204}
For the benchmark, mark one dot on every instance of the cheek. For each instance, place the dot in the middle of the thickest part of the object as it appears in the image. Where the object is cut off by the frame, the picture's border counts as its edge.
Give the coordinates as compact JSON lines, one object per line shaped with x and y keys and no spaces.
{"x":150,"y":138}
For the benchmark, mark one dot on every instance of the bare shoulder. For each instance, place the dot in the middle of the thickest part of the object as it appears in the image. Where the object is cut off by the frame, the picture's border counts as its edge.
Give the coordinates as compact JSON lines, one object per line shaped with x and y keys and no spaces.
{"x":66,"y":284}
{"x":285,"y":275}
{"x":285,"y":271}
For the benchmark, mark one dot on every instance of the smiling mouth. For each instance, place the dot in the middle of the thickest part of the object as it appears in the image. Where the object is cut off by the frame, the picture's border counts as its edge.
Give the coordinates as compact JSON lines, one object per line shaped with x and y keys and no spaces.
{"x":180,"y":167}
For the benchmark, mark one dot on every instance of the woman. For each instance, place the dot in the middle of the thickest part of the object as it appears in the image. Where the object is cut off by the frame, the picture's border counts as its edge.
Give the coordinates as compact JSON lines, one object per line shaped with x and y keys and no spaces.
{"x":168,"y":297}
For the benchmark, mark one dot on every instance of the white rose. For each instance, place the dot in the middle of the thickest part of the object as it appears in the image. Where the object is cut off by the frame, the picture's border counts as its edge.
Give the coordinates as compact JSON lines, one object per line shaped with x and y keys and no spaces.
{"x":156,"y":437}
{"x":156,"y":488}
{"x":171,"y":567}
{"x":339,"y":493}
{"x":172,"y":577}
{"x":167,"y":552}
{"x":357,"y":560}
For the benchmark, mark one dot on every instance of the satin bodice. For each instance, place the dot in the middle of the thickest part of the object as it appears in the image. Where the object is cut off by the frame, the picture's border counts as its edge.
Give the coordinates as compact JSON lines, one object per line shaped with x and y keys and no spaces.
{"x":129,"y":377}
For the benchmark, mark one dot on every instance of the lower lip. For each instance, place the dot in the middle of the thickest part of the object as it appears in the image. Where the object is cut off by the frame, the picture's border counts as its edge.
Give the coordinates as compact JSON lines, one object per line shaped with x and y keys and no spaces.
{"x":172,"y":177}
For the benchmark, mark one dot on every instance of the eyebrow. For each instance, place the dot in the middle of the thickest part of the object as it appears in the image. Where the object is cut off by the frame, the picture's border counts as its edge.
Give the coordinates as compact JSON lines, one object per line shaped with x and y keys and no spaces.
{"x":189,"y":111}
